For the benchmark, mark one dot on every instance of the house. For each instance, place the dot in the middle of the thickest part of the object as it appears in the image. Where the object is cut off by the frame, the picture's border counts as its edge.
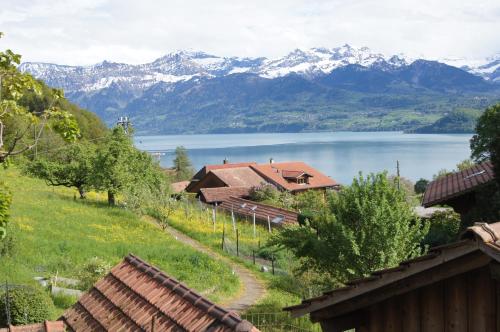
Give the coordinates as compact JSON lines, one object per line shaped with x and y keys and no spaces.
{"x":46,"y":326}
{"x":178,"y":187}
{"x":455,"y":287}
{"x":220,"y":194}
{"x":287,"y":176}
{"x":136,"y":296}
{"x":458,"y":189}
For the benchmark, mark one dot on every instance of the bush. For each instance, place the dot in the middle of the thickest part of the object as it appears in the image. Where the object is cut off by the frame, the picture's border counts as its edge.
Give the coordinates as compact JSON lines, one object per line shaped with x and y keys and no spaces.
{"x":92,"y":271}
{"x":444,"y":228}
{"x":421,"y":186}
{"x":5,"y":200}
{"x":64,"y":301}
{"x":27,"y":305}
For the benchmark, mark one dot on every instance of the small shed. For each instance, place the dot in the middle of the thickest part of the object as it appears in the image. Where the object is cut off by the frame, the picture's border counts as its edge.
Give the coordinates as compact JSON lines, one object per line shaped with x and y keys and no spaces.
{"x":455,"y":287}
{"x":458,"y":189}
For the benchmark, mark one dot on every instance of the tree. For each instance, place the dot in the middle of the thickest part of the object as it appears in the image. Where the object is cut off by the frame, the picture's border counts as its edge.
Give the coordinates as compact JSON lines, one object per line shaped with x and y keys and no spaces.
{"x":69,"y":167}
{"x":5,"y":201}
{"x":27,"y":305}
{"x":485,"y":144}
{"x":367,"y":226}
{"x":120,"y":167}
{"x":182,"y":164}
{"x":13,"y":86}
{"x":421,"y":186}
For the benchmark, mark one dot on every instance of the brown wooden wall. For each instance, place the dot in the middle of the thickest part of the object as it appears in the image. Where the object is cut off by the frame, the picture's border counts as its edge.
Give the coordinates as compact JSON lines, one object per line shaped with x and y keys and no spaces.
{"x":467,"y":302}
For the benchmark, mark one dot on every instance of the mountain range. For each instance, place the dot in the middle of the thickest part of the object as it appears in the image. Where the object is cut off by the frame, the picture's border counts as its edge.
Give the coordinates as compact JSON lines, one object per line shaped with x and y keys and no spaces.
{"x":343,"y":88}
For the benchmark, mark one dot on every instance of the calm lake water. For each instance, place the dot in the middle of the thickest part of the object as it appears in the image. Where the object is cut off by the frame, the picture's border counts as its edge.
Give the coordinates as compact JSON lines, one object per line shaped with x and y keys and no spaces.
{"x":340,"y":155}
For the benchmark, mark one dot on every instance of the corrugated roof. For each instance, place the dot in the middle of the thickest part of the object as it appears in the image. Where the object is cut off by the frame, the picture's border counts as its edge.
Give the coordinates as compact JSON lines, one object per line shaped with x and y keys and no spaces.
{"x":212,"y":195}
{"x":483,"y":237}
{"x":458,"y":183}
{"x":46,"y":326}
{"x":239,"y":177}
{"x":136,"y":296}
{"x":246,"y":207}
{"x":274,"y":174}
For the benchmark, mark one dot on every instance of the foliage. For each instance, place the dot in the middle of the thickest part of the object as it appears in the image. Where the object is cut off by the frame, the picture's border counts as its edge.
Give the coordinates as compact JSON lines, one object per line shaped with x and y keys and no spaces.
{"x":367,"y":226}
{"x":485,"y":144}
{"x":182,"y":164}
{"x":63,"y":301}
{"x":13,"y":85}
{"x":69,"y":167}
{"x":119,"y":166}
{"x":5,"y":201}
{"x":441,"y":173}
{"x":457,"y":121}
{"x":265,"y":193}
{"x":63,"y":241}
{"x":464,"y":165}
{"x":27,"y":305}
{"x":444,"y":228}
{"x":91,"y":271}
{"x":486,"y":207}
{"x":421,"y":186}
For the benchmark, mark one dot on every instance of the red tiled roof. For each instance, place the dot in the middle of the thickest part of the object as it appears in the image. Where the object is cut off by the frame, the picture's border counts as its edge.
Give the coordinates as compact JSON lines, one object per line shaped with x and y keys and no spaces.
{"x":246,"y":207}
{"x":482,"y":237}
{"x":207,"y":168}
{"x":212,"y":195}
{"x":134,"y":296}
{"x":180,"y":186}
{"x":239,"y":177}
{"x":274,"y":174}
{"x":459,"y":183}
{"x":289,"y":174}
{"x":46,"y":326}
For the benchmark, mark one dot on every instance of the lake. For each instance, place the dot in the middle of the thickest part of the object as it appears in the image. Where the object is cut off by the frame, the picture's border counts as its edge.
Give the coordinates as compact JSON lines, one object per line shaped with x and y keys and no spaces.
{"x":340,"y":155}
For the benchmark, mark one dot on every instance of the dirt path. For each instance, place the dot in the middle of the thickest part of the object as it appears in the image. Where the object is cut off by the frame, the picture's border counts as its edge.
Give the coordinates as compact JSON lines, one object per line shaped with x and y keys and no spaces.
{"x":253,"y":289}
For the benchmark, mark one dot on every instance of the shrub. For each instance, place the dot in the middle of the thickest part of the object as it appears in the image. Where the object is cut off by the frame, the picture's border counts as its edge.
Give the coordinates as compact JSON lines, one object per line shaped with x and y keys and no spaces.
{"x":421,"y":186}
{"x":444,"y":228}
{"x":5,"y":200}
{"x":27,"y":305}
{"x":92,"y":271}
{"x":64,"y":301}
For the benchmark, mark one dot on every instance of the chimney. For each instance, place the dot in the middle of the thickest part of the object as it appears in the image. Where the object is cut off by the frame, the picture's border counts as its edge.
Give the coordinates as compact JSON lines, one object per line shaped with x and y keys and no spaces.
{"x":271,"y":161}
{"x":225,"y":161}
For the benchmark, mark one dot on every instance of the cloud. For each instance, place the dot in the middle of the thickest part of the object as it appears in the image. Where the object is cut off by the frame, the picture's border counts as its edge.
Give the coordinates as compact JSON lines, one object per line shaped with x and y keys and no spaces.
{"x":89,"y":31}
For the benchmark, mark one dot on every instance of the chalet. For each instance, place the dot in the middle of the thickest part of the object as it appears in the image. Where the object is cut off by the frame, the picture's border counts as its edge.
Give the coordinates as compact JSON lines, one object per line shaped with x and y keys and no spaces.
{"x":455,"y":287}
{"x":287,"y":176}
{"x":136,"y":296}
{"x":458,"y":189}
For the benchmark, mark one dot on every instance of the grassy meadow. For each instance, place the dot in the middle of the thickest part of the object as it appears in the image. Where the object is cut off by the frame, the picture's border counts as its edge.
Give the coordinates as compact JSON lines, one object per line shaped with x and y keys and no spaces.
{"x":56,"y":234}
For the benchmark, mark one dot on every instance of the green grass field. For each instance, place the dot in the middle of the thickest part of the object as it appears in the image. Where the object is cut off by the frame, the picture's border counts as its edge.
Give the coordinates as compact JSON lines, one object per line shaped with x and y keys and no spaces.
{"x":56,"y":234}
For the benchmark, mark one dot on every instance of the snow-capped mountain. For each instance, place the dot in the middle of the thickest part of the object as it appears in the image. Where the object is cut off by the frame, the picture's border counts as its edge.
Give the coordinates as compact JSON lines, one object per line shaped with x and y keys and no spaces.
{"x":184,"y":65}
{"x":488,"y":68}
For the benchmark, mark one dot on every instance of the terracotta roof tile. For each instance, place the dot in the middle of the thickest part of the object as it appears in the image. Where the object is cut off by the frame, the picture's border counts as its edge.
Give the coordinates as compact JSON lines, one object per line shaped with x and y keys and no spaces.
{"x":219,"y":194}
{"x":458,"y":183}
{"x":136,"y":295}
{"x":483,"y":237}
{"x":274,"y":174}
{"x":239,"y":177}
{"x":46,"y":326}
{"x":244,"y":207}
{"x":180,"y":186}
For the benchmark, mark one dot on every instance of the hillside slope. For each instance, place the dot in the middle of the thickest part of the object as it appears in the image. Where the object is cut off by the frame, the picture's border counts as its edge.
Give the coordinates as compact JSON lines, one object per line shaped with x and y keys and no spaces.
{"x":55,"y":234}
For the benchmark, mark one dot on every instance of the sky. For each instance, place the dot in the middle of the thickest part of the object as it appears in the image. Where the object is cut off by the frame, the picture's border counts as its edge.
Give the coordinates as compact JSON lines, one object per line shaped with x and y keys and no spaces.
{"x":85,"y":32}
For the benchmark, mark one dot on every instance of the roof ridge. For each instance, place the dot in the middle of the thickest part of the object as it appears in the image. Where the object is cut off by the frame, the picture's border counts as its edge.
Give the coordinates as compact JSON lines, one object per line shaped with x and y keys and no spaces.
{"x":229,"y":318}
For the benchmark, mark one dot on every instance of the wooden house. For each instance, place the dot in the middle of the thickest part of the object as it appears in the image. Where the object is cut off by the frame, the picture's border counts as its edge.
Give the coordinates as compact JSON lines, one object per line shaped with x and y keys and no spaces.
{"x":458,"y":189}
{"x":454,"y":287}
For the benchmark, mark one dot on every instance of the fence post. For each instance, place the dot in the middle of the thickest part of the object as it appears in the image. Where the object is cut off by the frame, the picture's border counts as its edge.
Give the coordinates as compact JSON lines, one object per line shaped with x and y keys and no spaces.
{"x":214,"y":215}
{"x":253,"y":255}
{"x":272,"y":263}
{"x":232,"y":218}
{"x":254,"y":230}
{"x":223,"y":235}
{"x":269,"y":223}
{"x":238,"y":242}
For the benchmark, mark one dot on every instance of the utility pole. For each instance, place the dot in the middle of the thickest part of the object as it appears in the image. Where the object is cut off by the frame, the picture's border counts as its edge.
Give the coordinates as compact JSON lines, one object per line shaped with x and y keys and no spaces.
{"x":398,"y":175}
{"x":124,"y":122}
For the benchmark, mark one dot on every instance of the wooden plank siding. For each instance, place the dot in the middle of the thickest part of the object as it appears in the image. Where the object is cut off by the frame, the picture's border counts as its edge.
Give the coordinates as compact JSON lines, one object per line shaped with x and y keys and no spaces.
{"x":468,"y":302}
